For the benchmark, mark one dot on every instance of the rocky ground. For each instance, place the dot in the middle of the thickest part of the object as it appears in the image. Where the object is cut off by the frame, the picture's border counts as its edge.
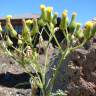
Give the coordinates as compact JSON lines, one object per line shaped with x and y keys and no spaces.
{"x":77,"y":75}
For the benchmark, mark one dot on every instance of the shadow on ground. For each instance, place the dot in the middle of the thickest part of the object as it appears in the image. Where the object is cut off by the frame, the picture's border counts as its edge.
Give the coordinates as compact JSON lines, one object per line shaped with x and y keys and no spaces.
{"x":15,"y":80}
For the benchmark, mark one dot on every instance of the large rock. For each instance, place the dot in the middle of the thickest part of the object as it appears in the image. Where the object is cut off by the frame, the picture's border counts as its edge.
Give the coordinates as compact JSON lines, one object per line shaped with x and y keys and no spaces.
{"x":78,"y":73}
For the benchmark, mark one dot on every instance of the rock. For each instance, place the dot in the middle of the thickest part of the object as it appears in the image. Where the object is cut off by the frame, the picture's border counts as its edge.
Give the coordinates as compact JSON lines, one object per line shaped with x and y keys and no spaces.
{"x":78,"y":73}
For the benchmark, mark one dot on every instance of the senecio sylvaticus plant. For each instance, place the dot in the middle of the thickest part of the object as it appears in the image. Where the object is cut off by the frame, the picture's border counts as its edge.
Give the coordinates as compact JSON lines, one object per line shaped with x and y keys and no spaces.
{"x":26,"y":54}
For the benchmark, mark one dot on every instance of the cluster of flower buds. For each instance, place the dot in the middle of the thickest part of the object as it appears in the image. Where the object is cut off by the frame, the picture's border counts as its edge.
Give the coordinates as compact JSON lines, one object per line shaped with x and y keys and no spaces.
{"x":74,"y":28}
{"x":47,"y":16}
{"x":27,"y":32}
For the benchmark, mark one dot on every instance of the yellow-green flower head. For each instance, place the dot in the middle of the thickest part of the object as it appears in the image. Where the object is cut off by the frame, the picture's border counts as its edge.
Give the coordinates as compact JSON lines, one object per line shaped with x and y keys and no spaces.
{"x":42,"y":7}
{"x":89,"y":24}
{"x":8,"y":16}
{"x":29,"y":21}
{"x":49,"y":9}
{"x":56,"y":13}
{"x":78,"y":24}
{"x":64,"y":14}
{"x":74,"y":14}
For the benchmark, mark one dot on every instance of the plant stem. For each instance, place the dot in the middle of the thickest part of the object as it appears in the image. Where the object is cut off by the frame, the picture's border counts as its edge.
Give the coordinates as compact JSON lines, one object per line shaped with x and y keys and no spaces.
{"x":64,"y":55}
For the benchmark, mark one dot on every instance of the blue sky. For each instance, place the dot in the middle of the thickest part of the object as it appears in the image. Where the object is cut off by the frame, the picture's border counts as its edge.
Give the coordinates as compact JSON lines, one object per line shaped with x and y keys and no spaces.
{"x":86,"y":9}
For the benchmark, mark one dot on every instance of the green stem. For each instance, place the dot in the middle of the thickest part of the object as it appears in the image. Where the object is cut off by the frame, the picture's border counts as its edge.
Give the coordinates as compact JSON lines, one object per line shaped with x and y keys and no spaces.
{"x":57,"y":41}
{"x":46,"y":61}
{"x":53,"y":34}
{"x":74,"y":48}
{"x":64,"y":55}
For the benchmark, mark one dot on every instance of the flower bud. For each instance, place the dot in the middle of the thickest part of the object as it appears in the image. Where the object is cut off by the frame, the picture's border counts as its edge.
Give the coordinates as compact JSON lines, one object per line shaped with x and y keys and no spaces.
{"x":42,"y":7}
{"x":43,"y":12}
{"x":12,"y":31}
{"x":72,"y":24}
{"x":64,"y":14}
{"x":79,"y":32}
{"x":10,"y":28}
{"x":35,"y":28}
{"x":89,"y":25}
{"x":78,"y":25}
{"x":8,"y":16}
{"x":29,"y":22}
{"x":88,"y":29}
{"x":49,"y":9}
{"x":19,"y":42}
{"x":54,"y":19}
{"x":25,"y":30}
{"x":49,"y":14}
{"x":9,"y":42}
{"x":64,"y":21}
